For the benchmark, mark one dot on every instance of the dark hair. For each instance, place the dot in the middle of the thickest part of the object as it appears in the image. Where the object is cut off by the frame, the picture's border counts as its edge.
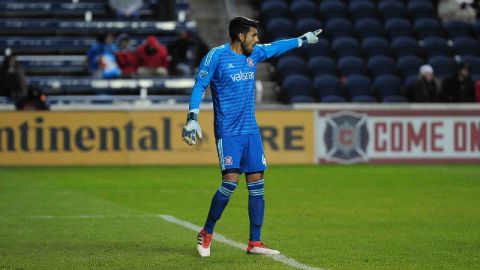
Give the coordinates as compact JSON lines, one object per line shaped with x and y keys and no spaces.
{"x":103,"y":37}
{"x":240,"y":25}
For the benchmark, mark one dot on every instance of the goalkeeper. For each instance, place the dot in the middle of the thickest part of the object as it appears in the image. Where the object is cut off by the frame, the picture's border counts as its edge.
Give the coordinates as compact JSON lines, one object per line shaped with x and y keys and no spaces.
{"x":230,"y":71}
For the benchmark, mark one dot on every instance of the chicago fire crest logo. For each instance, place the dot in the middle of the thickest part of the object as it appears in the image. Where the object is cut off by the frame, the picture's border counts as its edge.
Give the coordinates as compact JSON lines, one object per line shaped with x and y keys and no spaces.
{"x":346,"y":137}
{"x":228,"y":160}
{"x":250,"y":61}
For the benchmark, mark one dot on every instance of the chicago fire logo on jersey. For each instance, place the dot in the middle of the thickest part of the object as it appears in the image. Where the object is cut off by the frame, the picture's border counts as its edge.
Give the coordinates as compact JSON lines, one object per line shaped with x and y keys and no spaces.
{"x":250,"y":62}
{"x":203,"y":74}
{"x":346,"y":137}
{"x":228,"y":160}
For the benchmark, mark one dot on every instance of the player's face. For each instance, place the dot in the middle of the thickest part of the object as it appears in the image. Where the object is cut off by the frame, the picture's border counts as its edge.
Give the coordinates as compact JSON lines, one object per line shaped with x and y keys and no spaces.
{"x":249,"y":41}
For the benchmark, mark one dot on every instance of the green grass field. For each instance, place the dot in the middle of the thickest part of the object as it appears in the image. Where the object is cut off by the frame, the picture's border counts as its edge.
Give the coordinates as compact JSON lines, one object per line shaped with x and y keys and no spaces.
{"x":330,"y":217}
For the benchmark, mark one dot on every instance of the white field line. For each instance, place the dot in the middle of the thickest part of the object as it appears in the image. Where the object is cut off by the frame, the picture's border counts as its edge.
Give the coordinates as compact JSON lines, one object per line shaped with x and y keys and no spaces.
{"x":218,"y":237}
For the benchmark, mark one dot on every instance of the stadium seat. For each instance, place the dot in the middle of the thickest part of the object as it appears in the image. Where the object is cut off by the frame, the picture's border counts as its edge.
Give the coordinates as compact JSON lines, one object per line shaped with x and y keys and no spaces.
{"x":421,"y":9}
{"x":359,"y":88}
{"x":362,"y":9}
{"x":409,"y":65}
{"x":339,"y":27}
{"x":476,"y":28}
{"x":474,"y":62}
{"x":280,"y":28}
{"x":305,"y":25}
{"x":48,"y":45}
{"x":363,"y":99}
{"x":406,"y":46}
{"x":326,"y":87}
{"x":374,"y":46}
{"x":394,"y":99}
{"x":346,"y":46}
{"x":289,"y":65}
{"x":302,"y":99}
{"x":368,"y":27}
{"x":443,"y":67}
{"x":427,"y":27}
{"x":398,"y":27}
{"x":391,"y":9}
{"x":350,"y":65}
{"x":321,"y":48}
{"x":333,"y":99}
{"x":388,"y":85}
{"x":53,"y":64}
{"x":321,"y":65}
{"x":456,"y":29}
{"x":295,"y":85}
{"x":464,"y":46}
{"x":50,"y":9}
{"x":81,"y":84}
{"x":273,"y":9}
{"x":81,"y":27}
{"x":434,"y":46}
{"x":332,"y":9}
{"x":303,"y":9}
{"x":380,"y":65}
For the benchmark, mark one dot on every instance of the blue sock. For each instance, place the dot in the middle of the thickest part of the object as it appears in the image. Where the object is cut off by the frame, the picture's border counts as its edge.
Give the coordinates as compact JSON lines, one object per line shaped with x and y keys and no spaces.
{"x":219,"y":201}
{"x":256,"y":208}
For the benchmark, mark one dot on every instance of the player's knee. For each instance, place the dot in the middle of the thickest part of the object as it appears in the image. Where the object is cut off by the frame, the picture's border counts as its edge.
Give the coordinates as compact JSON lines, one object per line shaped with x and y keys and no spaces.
{"x":227,"y":188}
{"x":232,"y":175}
{"x":254,"y":176}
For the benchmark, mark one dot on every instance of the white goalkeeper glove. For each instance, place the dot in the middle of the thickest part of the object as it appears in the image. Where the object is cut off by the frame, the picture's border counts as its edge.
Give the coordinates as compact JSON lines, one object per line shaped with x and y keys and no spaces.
{"x":191,"y":129}
{"x":310,"y":37}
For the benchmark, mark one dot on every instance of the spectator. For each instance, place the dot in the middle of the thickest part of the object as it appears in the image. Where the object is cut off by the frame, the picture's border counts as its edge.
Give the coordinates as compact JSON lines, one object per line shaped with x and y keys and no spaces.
{"x":427,"y":87}
{"x":181,"y":51}
{"x":461,"y":10}
{"x":126,"y":57}
{"x":101,"y":57}
{"x":126,"y":8}
{"x":153,"y":58}
{"x":459,"y":87}
{"x":13,"y":83}
{"x":35,"y":100}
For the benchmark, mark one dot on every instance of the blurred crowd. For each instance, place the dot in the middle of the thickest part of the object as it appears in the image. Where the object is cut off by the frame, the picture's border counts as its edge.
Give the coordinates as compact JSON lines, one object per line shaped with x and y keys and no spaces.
{"x":114,"y":57}
{"x":457,"y":88}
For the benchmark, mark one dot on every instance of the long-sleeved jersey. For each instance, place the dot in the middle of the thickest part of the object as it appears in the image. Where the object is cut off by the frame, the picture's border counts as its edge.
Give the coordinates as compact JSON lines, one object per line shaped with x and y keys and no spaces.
{"x":232,"y":80}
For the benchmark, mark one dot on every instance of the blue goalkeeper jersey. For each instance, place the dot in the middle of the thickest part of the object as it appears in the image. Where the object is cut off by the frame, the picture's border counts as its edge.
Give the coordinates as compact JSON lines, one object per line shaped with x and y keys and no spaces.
{"x":232,"y":80}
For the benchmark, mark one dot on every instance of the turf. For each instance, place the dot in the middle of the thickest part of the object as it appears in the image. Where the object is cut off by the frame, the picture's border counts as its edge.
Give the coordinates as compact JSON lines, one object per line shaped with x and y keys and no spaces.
{"x":332,"y":217}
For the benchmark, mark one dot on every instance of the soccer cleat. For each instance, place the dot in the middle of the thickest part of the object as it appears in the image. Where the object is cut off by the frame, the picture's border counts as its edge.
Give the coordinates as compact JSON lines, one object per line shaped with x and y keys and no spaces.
{"x":257,"y":247}
{"x":204,"y":241}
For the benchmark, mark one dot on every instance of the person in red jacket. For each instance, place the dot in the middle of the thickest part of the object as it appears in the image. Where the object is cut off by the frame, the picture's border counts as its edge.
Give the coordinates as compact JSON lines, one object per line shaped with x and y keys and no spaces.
{"x":152,"y":57}
{"x":126,"y":57}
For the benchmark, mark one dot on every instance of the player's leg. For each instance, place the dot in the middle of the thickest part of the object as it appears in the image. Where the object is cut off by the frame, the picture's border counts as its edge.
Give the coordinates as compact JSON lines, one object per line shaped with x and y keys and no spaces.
{"x":221,"y":198}
{"x":255,"y":164}
{"x":256,"y":203}
{"x":229,"y":153}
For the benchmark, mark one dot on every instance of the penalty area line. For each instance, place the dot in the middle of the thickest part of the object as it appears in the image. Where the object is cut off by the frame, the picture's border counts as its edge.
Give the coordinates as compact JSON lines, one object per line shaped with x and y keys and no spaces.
{"x":220,"y":238}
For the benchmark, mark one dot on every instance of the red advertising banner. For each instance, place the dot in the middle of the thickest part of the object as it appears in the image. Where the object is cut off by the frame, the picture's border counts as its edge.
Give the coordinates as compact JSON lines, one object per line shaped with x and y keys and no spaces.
{"x":398,"y":136}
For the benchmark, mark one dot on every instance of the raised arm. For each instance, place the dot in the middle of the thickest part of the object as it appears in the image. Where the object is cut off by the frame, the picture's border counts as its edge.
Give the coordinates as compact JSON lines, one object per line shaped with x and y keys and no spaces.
{"x":266,"y":51}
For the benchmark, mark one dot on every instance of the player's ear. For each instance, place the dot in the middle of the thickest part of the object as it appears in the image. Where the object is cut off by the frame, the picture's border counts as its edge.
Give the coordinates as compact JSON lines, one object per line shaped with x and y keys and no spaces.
{"x":241,"y":37}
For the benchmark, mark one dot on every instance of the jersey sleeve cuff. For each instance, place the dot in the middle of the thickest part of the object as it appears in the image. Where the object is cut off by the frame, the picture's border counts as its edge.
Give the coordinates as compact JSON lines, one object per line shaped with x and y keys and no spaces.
{"x":300,"y":42}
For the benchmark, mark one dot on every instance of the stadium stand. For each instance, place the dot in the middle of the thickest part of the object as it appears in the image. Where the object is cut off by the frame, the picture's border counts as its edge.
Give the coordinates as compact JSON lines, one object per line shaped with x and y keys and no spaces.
{"x":372,"y":38}
{"x":50,"y":40}
{"x":365,"y":41}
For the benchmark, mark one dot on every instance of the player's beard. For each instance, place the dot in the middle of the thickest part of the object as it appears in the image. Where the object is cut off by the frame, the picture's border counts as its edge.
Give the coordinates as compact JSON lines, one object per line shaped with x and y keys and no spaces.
{"x":246,"y":51}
